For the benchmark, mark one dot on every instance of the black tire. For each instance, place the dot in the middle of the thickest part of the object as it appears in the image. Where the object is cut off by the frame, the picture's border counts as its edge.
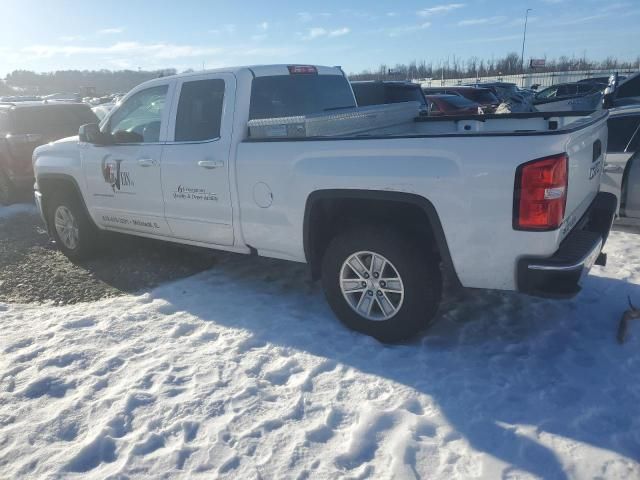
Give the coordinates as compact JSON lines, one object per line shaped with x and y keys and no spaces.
{"x":87,"y":244}
{"x":416,"y":266}
{"x":7,"y":190}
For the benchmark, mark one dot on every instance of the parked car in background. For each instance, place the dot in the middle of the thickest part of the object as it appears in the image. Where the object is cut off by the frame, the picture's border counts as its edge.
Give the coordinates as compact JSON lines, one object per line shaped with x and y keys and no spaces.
{"x":377,"y":92}
{"x":622,"y":165}
{"x":441,"y":105}
{"x":600,"y":80}
{"x":503,"y":90}
{"x":619,"y":93}
{"x":27,"y":125}
{"x":526,"y":93}
{"x":569,"y":97}
{"x":482,"y":96}
{"x":509,"y":95}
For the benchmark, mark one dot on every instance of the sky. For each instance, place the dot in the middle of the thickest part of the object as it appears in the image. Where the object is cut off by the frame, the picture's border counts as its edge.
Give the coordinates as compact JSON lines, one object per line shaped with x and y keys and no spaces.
{"x":46,"y":35}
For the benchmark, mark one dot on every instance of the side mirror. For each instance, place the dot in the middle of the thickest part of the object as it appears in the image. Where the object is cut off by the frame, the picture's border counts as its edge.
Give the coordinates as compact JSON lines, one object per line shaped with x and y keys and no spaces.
{"x":90,"y":133}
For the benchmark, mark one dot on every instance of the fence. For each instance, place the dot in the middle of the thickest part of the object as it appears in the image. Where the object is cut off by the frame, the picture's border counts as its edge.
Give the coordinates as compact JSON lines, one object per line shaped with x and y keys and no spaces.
{"x":544,"y":79}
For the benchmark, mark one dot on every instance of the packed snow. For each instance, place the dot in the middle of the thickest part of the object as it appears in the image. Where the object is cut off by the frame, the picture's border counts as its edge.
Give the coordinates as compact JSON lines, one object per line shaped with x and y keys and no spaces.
{"x":243,"y":372}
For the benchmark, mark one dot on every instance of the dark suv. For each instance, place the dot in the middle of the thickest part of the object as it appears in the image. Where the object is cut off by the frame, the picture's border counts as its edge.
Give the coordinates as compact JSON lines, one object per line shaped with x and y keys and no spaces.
{"x":27,"y":125}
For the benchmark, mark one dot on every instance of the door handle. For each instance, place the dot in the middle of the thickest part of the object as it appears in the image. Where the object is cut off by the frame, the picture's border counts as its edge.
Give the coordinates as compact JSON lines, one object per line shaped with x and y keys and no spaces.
{"x":209,"y":164}
{"x":611,"y":168}
{"x":146,"y":162}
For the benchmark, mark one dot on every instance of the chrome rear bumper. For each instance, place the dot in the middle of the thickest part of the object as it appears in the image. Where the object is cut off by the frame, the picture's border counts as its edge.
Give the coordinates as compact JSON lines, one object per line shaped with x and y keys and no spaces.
{"x":560,"y":275}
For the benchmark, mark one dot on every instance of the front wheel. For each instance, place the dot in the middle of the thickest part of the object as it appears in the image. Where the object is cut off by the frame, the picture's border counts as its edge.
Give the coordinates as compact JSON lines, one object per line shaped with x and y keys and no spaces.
{"x":71,"y":227}
{"x":381,"y":282}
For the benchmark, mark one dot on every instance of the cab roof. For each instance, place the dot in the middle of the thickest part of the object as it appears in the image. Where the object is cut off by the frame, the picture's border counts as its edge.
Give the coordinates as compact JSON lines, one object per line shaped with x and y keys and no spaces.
{"x":266,"y":70}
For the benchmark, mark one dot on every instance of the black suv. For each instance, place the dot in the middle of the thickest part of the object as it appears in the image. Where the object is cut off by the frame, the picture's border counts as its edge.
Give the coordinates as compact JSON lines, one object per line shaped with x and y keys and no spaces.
{"x":27,"y":125}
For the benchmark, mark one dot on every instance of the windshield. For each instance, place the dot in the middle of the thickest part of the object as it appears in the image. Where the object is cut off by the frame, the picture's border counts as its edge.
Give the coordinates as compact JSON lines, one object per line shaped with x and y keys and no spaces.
{"x":291,"y":95}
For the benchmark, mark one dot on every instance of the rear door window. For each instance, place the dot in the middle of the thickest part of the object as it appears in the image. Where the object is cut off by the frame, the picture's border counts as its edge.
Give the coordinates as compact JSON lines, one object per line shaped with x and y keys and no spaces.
{"x":306,"y":94}
{"x":199,"y":110}
{"x":621,"y":132}
{"x":368,"y":94}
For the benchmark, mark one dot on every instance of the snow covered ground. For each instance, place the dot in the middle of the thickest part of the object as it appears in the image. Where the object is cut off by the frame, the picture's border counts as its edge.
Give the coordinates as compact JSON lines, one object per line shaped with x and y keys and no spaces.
{"x":242,"y":372}
{"x":10,"y":211}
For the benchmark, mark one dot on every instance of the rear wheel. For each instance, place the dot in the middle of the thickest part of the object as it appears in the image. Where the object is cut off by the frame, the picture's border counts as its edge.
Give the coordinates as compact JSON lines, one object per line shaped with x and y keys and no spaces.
{"x":71,"y":227}
{"x":381,"y":282}
{"x":7,"y":190}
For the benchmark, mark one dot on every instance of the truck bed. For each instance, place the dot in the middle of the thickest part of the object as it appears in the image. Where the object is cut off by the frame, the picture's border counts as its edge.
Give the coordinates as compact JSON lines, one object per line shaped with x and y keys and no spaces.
{"x":464,"y":166}
{"x":534,"y":123}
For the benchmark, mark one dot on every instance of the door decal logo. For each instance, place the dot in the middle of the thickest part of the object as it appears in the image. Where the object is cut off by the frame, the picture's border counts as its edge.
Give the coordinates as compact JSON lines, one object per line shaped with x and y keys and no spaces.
{"x":114,"y":175}
{"x":192,"y":193}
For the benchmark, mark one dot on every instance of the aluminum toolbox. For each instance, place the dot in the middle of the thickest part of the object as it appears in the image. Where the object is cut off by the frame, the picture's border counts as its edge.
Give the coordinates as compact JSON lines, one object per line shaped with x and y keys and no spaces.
{"x":338,"y":123}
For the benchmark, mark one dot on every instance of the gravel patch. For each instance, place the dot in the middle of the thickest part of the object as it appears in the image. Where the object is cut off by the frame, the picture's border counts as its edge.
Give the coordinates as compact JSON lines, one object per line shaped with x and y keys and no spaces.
{"x":32,"y":270}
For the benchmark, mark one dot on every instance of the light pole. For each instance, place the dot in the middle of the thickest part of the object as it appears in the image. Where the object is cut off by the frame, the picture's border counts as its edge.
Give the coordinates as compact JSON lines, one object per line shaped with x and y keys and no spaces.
{"x":524,"y":38}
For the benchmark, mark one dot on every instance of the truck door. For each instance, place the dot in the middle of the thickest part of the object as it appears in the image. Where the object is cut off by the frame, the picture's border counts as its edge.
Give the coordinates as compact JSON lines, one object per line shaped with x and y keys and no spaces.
{"x":123,"y":180}
{"x":195,"y":160}
{"x":622,"y":144}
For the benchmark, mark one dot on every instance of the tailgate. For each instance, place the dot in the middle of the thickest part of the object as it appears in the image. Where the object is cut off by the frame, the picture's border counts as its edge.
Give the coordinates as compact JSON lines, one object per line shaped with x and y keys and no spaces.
{"x":586,"y":148}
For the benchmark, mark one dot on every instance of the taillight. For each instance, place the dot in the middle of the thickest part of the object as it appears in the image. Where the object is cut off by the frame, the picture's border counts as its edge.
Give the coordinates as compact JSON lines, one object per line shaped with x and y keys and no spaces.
{"x":540,"y":194}
{"x":302,"y":70}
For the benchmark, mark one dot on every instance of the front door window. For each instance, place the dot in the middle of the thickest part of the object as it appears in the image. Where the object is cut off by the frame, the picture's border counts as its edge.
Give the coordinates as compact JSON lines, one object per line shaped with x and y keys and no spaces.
{"x":138,"y":120}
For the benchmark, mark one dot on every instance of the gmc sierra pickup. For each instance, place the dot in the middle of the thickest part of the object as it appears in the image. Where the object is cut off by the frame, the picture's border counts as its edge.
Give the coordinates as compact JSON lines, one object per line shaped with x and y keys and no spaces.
{"x":278,"y":161}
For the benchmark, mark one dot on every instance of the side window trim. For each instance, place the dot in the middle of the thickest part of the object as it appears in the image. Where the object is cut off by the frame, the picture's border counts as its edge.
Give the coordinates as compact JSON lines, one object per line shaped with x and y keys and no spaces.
{"x":106,"y":121}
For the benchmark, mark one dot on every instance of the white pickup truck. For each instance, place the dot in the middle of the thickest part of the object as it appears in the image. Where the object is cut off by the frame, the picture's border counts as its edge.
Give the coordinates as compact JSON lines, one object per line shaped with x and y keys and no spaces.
{"x":499,"y":202}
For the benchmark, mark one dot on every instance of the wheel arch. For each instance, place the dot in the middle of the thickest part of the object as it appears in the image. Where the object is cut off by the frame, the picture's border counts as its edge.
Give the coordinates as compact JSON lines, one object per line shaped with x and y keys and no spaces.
{"x":324,"y":206}
{"x":48,"y":183}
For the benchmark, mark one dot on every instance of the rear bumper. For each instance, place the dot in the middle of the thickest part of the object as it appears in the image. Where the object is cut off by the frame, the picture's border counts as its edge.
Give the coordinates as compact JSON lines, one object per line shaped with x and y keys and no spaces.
{"x":560,"y":274}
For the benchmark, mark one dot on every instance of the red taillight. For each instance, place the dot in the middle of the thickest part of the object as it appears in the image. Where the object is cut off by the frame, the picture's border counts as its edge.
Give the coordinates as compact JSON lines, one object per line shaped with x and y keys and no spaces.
{"x":541,"y":194}
{"x":302,"y":69}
